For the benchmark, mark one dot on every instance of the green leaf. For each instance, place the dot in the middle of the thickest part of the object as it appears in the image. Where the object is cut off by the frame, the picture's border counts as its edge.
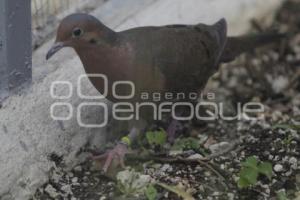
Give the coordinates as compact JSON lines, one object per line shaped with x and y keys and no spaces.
{"x":151,"y":192}
{"x":265,"y":168}
{"x":186,"y":144}
{"x":251,"y":168}
{"x":251,"y":162}
{"x":156,"y":137}
{"x":243,"y":183}
{"x":250,"y":175}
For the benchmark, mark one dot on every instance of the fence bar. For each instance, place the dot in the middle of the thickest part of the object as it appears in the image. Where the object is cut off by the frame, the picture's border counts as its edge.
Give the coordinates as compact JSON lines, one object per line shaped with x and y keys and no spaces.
{"x":15,"y":45}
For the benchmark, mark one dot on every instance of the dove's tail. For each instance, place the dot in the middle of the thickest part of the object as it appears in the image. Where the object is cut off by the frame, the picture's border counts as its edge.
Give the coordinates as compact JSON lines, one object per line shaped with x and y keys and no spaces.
{"x":237,"y":45}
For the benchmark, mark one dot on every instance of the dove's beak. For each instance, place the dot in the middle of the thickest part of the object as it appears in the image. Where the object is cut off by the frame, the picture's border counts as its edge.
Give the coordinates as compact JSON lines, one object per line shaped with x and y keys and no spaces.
{"x":54,"y":49}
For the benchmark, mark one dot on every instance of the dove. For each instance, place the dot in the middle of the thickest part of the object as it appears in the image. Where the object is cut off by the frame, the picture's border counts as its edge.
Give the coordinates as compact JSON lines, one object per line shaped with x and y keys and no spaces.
{"x":156,"y":59}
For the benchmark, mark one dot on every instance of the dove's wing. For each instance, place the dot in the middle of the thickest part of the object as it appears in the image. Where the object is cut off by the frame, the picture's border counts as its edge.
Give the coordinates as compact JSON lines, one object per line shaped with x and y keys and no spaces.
{"x":184,"y":56}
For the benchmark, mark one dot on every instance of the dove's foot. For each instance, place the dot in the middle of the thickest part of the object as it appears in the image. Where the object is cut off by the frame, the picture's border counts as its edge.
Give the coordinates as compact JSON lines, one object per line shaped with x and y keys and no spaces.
{"x":173,"y":128}
{"x":116,"y":154}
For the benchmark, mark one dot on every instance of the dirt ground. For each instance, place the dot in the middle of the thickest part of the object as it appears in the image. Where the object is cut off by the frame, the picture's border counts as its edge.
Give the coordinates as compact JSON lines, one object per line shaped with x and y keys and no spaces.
{"x":270,"y":76}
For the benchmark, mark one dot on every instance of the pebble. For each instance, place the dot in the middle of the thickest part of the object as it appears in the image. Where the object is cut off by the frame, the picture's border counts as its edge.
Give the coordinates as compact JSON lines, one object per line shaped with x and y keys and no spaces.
{"x":270,"y":157}
{"x":175,"y":152}
{"x":166,"y":168}
{"x":198,"y":168}
{"x":278,"y":168}
{"x":230,"y":196}
{"x":222,"y":166}
{"x":231,"y":169}
{"x":85,"y":184}
{"x":74,"y":180}
{"x":51,"y":191}
{"x":294,"y":163}
{"x":289,"y":173}
{"x":276,"y":158}
{"x":67,"y":189}
{"x":78,"y":169}
{"x":195,"y":156}
{"x":166,"y":195}
{"x":215,"y":148}
{"x":207,"y":174}
{"x":216,"y":194}
{"x":71,"y":175}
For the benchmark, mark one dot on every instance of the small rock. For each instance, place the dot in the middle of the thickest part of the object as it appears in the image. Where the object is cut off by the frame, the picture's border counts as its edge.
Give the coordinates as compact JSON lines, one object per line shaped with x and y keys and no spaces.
{"x":207,"y":174}
{"x":293,"y":161}
{"x":201,"y":188}
{"x":278,"y":168}
{"x":166,"y":195}
{"x":74,"y":180}
{"x":230,"y":196}
{"x":198,"y":168}
{"x":67,"y":189}
{"x":276,"y":158}
{"x":195,"y":156}
{"x":70,"y":174}
{"x":270,"y":157}
{"x":166,"y":168}
{"x":85,"y":184}
{"x":215,"y":148}
{"x":51,"y":191}
{"x":231,"y":169}
{"x":222,"y":166}
{"x":78,"y":169}
{"x":57,"y":175}
{"x":279,"y":83}
{"x":216,"y":194}
{"x":288,"y":173}
{"x":175,"y":152}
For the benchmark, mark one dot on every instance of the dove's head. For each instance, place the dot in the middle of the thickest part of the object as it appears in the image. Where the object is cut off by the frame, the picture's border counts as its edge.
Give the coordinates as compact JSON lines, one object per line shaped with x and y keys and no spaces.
{"x":80,"y":30}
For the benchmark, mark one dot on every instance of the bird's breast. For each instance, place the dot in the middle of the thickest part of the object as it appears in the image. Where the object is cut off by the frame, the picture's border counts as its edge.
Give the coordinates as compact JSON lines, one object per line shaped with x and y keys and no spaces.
{"x":113,"y":63}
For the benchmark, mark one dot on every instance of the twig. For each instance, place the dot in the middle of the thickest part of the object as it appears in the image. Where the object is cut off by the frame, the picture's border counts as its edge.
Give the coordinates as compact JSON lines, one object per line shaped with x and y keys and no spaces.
{"x":221,"y":153}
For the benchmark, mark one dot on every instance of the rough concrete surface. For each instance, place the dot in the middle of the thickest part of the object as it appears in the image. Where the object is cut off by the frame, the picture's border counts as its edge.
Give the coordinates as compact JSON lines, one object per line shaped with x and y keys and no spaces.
{"x":28,"y":135}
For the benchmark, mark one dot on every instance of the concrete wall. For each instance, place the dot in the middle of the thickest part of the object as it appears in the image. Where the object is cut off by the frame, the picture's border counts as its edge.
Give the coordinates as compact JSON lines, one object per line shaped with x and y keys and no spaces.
{"x":27,"y":132}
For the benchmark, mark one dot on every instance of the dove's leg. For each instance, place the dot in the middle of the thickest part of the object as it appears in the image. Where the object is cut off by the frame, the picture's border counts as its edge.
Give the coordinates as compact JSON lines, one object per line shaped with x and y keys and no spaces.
{"x":174,"y":126}
{"x":118,"y":152}
{"x":177,"y":126}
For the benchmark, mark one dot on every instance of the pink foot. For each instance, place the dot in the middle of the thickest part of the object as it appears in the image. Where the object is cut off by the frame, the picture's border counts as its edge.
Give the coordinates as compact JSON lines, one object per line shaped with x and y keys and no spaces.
{"x":117,"y":153}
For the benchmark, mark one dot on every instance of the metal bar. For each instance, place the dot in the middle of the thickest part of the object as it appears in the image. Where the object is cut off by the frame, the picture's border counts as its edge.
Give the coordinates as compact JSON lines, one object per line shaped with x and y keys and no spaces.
{"x":15,"y":45}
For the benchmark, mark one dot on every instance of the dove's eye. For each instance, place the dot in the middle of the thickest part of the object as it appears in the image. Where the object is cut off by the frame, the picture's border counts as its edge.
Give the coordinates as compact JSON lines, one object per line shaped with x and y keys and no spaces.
{"x":77,"y":32}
